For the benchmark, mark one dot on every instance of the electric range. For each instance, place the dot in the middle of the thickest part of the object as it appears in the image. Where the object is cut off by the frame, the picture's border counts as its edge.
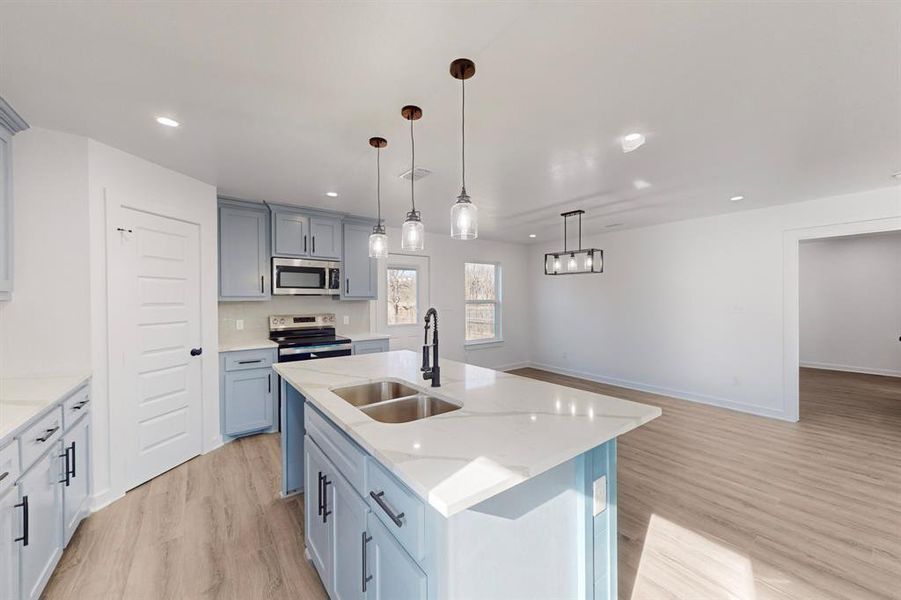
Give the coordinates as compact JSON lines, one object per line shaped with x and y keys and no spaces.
{"x":307,"y":337}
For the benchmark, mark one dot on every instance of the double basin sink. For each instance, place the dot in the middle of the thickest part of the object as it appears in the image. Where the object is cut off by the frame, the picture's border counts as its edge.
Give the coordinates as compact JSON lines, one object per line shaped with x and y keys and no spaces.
{"x":393,"y":402}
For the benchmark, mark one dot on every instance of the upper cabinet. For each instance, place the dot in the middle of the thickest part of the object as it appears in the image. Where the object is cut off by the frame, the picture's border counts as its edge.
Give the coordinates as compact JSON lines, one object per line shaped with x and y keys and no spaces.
{"x":360,"y":281}
{"x":10,"y":124}
{"x":243,"y":251}
{"x":303,"y":234}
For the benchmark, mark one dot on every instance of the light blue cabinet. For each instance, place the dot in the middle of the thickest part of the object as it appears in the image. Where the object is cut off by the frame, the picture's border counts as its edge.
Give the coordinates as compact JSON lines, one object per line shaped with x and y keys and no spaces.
{"x":290,"y":235}
{"x":77,"y":489}
{"x":394,"y":574}
{"x":248,"y":391}
{"x":9,"y":548}
{"x":243,"y":251}
{"x":360,"y":281}
{"x":325,"y":237}
{"x":10,"y":124}
{"x":350,"y":534}
{"x":316,"y":508}
{"x":42,"y":490}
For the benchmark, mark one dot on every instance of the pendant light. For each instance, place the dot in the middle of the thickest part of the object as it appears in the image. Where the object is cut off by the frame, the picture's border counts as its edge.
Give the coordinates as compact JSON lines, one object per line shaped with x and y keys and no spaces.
{"x":411,"y":234}
{"x":572,"y":262}
{"x":378,"y":241}
{"x":464,"y":214}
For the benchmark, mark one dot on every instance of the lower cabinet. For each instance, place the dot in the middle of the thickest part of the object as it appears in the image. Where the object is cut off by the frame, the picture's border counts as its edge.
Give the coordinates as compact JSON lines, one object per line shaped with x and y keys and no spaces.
{"x":394,"y":573}
{"x":77,"y":487}
{"x":316,"y":522}
{"x":370,"y":346}
{"x":9,"y":547}
{"x":42,"y":524}
{"x":248,"y":390}
{"x":351,"y":539}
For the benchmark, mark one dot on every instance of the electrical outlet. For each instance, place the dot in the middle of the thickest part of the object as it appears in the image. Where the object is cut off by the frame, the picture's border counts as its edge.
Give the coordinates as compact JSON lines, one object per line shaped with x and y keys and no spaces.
{"x":239,"y":324}
{"x":346,"y":320}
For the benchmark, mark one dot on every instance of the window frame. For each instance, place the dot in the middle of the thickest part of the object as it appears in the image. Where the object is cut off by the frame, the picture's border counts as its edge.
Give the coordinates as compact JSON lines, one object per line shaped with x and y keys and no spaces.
{"x":399,"y":267}
{"x":497,"y":302}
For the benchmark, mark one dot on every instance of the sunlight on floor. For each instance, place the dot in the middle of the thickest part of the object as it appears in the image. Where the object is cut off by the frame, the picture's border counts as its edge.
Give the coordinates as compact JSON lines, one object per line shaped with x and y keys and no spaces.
{"x":676,"y":562}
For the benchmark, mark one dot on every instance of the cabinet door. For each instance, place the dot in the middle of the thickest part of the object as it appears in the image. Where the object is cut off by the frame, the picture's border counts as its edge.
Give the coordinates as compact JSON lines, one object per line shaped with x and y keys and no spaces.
{"x":350,"y":537}
{"x":359,"y":270}
{"x":76,"y":442}
{"x":325,"y":238}
{"x":395,"y":576}
{"x":289,"y":234}
{"x":10,"y":529}
{"x":317,"y":520}
{"x":41,"y":485}
{"x":248,"y":401}
{"x":6,"y":215}
{"x":243,"y":254}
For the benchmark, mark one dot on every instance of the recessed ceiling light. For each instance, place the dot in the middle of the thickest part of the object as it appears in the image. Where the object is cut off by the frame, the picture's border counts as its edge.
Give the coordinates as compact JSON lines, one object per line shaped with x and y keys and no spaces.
{"x":631,"y":141}
{"x":641,"y":184}
{"x":736,"y":198}
{"x":332,"y":194}
{"x":167,"y":122}
{"x":532,"y":235}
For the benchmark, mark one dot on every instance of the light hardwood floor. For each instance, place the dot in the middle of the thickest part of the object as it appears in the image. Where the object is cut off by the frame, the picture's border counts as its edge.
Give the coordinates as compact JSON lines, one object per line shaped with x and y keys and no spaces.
{"x":713,"y":505}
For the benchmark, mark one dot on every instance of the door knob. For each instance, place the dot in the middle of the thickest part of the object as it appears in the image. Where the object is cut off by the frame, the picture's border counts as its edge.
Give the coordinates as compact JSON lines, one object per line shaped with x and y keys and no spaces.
{"x":196,"y":351}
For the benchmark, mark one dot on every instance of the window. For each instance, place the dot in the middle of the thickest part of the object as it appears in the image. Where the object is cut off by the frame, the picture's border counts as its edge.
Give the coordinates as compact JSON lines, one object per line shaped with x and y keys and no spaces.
{"x":402,"y":293}
{"x":483,"y":302}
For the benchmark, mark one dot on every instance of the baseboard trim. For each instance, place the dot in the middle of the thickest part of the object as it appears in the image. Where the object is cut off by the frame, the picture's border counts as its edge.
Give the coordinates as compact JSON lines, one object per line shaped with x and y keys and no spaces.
{"x":679,"y":394}
{"x":104,"y":498}
{"x":851,"y":369}
{"x":511,"y":366}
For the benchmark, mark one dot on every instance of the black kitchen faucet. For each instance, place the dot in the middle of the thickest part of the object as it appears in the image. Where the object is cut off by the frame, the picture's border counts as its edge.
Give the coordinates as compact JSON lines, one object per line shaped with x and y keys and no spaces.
{"x":433,"y":373}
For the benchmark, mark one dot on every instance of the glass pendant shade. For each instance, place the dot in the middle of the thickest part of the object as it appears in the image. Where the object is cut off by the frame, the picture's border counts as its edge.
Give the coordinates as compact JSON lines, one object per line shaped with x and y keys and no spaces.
{"x":464,"y":219}
{"x":378,"y":242}
{"x":589,"y":260}
{"x":412,"y":232}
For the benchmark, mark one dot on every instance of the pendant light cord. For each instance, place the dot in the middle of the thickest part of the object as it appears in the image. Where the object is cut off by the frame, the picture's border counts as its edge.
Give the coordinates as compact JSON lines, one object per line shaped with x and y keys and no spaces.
{"x":378,"y":180}
{"x":412,"y":166}
{"x":463,"y":133}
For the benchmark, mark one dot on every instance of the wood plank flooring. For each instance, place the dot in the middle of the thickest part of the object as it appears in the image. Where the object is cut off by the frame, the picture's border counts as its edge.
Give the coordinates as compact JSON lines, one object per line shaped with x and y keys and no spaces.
{"x":713,"y":505}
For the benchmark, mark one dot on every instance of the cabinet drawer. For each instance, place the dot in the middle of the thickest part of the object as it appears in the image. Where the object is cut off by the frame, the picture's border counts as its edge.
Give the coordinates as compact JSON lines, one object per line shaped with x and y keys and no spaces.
{"x":387,"y":497}
{"x":40,"y":437}
{"x":347,"y":457}
{"x":248,"y":359}
{"x":370,"y":346}
{"x":75,"y":406}
{"x":9,"y":465}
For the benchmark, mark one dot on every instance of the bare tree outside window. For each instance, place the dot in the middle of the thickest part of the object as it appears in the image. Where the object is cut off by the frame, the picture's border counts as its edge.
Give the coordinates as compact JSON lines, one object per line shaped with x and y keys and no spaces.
{"x":401,"y":296}
{"x":481,"y":282}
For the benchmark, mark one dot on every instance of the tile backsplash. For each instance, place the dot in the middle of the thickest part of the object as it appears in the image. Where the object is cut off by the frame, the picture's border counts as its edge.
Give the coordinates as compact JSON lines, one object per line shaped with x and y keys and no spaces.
{"x":256,"y":315}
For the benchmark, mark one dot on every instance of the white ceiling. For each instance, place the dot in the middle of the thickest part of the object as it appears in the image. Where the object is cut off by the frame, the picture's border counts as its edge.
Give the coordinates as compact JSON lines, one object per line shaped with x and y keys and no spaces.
{"x":776,"y":102}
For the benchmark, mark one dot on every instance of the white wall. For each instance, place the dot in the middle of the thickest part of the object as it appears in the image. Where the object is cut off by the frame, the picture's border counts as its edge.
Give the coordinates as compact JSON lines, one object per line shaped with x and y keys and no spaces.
{"x":692,"y":309}
{"x":446,"y":259}
{"x":118,"y":178}
{"x":45,"y":327}
{"x":850,"y":293}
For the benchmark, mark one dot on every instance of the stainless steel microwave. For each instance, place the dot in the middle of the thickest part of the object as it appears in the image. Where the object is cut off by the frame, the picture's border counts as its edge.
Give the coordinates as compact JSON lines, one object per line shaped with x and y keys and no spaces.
{"x":304,"y":277}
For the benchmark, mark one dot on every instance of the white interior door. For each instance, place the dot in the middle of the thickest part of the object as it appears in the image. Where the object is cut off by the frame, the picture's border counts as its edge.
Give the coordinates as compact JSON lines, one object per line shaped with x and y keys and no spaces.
{"x":403,"y":300}
{"x":154,"y":325}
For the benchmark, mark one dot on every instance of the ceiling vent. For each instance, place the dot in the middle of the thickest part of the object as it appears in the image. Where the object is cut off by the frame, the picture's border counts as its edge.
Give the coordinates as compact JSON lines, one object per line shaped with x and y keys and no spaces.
{"x":418,"y":173}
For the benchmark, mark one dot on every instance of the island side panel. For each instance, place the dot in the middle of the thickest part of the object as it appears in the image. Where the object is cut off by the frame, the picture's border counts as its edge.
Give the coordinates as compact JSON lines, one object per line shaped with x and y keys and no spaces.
{"x":291,"y":417}
{"x":602,"y":515}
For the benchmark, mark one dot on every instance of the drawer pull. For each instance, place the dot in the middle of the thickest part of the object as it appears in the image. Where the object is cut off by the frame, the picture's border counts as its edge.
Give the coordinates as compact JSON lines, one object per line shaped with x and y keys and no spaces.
{"x":366,"y":578}
{"x":24,"y":506}
{"x":47,"y":434}
{"x":250,"y":362}
{"x":4,"y":475}
{"x":80,"y":405}
{"x":384,"y":507}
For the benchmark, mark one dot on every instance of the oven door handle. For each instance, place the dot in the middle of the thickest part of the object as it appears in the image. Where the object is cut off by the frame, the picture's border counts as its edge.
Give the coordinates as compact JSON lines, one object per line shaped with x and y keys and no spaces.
{"x":312,"y":349}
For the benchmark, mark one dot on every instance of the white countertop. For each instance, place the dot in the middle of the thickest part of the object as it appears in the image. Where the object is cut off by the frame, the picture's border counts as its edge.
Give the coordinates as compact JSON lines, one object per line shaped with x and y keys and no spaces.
{"x":509,"y":429}
{"x":235,"y":346}
{"x":362,"y":337}
{"x":23,"y":398}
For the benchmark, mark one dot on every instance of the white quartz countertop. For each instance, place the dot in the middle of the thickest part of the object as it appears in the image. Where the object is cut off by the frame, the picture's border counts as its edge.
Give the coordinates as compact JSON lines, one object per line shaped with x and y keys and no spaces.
{"x":246,"y":345}
{"x":362,"y":337}
{"x":509,"y":429}
{"x":24,"y":398}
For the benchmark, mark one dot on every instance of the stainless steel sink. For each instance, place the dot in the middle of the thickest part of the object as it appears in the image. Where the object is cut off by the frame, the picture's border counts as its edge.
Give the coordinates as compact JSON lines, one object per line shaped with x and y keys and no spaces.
{"x":414,"y":408}
{"x":371,"y":393}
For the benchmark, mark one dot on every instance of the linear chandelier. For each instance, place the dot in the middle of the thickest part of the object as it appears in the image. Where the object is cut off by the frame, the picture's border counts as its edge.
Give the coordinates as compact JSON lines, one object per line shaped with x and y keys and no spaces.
{"x":573,"y":262}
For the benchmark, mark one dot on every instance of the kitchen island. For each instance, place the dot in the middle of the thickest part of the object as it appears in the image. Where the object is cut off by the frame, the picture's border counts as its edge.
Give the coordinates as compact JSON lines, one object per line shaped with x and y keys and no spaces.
{"x":509,"y":493}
